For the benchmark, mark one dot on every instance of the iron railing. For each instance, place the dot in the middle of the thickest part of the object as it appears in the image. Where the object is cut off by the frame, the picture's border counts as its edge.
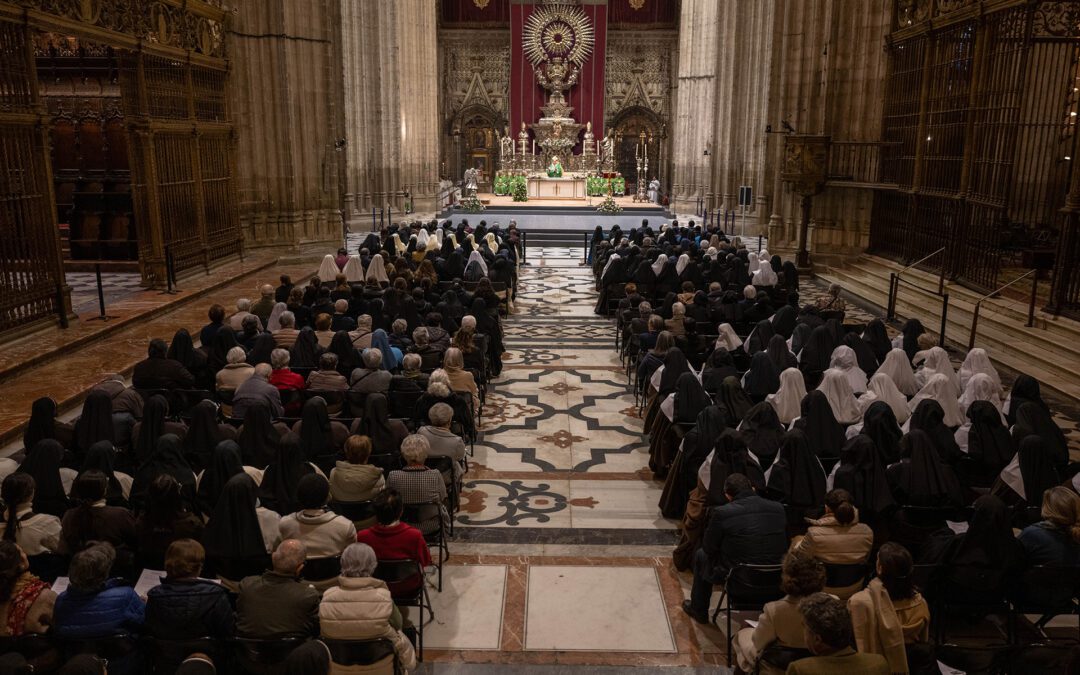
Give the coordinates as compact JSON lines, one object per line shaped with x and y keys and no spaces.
{"x":1034,"y":274}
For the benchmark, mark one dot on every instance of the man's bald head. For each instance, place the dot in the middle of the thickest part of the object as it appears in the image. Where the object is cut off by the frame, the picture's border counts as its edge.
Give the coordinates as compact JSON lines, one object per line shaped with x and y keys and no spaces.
{"x":289,"y":557}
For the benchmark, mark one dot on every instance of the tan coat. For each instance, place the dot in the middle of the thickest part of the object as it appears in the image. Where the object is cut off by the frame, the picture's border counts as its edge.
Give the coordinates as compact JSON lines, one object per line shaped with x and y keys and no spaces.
{"x":359,"y":608}
{"x":355,"y":482}
{"x":779,"y":621}
{"x":462,"y":380}
{"x":233,"y":375}
{"x":878,"y":628}
{"x":285,"y":337}
{"x":831,"y":542}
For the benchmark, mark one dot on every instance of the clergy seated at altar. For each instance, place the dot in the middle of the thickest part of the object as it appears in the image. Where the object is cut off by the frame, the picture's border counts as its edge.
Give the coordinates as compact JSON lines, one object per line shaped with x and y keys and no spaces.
{"x":555,"y":169}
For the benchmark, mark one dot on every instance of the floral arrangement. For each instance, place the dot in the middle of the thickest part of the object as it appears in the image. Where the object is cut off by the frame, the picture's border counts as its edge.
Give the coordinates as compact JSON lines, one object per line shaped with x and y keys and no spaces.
{"x":519,"y":191}
{"x":472,"y":205}
{"x":609,"y":207}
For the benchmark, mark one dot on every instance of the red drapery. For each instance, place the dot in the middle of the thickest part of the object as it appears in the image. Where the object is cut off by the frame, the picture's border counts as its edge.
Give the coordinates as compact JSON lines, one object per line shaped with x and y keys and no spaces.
{"x":586,"y":97}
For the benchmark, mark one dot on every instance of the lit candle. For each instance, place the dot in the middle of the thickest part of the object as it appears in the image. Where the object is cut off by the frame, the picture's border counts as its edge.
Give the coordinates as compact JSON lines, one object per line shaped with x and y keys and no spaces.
{"x":598,"y":147}
{"x":534,"y":146}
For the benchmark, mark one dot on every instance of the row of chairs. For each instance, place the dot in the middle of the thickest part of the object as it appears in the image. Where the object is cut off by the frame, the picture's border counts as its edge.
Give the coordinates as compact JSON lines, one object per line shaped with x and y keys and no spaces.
{"x":238,"y":654}
{"x":747,"y":588}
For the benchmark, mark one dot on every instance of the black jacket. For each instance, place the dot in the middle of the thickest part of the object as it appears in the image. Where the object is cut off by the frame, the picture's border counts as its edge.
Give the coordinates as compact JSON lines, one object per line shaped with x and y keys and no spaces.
{"x":750,"y":529}
{"x":187,"y":609}
{"x":161,"y":374}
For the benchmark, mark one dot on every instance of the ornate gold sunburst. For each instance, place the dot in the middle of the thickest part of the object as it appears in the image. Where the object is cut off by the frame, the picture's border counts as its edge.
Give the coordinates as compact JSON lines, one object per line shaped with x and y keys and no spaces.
{"x":637,"y":4}
{"x":558,"y":30}
{"x":481,"y":4}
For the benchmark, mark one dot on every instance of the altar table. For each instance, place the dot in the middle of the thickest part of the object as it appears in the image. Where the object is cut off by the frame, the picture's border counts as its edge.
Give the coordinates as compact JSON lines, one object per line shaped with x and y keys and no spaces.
{"x":567,"y":187}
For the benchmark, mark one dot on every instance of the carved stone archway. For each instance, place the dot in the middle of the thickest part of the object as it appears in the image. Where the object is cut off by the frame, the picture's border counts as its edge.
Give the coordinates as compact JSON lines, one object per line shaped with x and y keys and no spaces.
{"x":627,"y":125}
{"x":475,"y":131}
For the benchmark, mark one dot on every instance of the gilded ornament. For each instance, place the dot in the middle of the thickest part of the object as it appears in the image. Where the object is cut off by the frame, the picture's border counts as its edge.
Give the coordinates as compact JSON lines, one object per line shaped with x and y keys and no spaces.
{"x":558,"y":30}
{"x":481,"y":4}
{"x":637,"y":4}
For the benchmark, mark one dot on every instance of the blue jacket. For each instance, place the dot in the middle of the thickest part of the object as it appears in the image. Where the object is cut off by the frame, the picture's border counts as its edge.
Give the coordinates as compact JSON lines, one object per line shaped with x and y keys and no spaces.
{"x":1047,"y":544}
{"x":85,"y":615}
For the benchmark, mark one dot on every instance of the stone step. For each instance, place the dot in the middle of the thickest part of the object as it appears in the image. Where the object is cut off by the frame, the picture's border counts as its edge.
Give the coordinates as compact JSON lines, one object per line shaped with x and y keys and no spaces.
{"x":963,"y":297}
{"x":1057,"y":336}
{"x":1042,"y":353}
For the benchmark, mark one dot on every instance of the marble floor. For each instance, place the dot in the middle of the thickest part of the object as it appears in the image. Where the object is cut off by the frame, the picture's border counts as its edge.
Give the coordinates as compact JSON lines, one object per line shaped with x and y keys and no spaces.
{"x":561,"y":555}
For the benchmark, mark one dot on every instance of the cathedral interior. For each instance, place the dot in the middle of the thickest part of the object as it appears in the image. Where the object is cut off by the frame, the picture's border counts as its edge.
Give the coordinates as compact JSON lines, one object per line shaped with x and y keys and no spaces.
{"x":911,"y":159}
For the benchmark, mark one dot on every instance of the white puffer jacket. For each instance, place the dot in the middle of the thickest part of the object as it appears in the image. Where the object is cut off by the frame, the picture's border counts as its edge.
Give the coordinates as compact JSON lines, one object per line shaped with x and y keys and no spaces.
{"x":359,"y":608}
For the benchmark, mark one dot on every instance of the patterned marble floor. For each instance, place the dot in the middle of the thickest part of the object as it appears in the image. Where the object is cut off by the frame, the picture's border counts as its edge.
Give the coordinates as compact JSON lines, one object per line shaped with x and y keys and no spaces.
{"x":561,"y":555}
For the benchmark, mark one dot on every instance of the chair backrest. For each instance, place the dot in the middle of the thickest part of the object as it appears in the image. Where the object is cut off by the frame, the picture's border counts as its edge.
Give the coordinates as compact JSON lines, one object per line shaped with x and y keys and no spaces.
{"x":780,"y":656}
{"x":443,"y":464}
{"x":266,"y":652}
{"x":354,"y":511}
{"x":331,"y":397}
{"x":235,"y":569}
{"x":356,"y":399}
{"x":842,"y":576}
{"x":414,"y":514}
{"x":173,"y":652}
{"x":321,"y":569}
{"x":751,"y":586}
{"x":361,"y":652}
{"x":396,"y":571}
{"x":1048,"y":587}
{"x":402,"y":404}
{"x":48,"y":566}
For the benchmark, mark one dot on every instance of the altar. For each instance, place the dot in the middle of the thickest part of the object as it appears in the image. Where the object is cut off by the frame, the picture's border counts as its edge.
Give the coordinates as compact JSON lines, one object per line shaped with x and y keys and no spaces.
{"x":567,"y":187}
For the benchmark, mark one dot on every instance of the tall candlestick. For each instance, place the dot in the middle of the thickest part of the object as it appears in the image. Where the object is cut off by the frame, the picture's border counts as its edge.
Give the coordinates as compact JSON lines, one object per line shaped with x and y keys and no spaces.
{"x":534,"y":146}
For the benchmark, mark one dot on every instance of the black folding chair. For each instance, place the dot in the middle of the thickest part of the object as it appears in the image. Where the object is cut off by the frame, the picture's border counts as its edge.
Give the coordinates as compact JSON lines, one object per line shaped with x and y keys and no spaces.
{"x":264,"y":657}
{"x":414,"y":514}
{"x":165,"y":656}
{"x":1048,"y":591}
{"x":358,"y":512}
{"x":445,"y":465}
{"x":398,"y":571}
{"x":779,"y":657}
{"x":363,"y":652}
{"x":322,"y":569}
{"x":844,"y":575}
{"x":747,"y":588}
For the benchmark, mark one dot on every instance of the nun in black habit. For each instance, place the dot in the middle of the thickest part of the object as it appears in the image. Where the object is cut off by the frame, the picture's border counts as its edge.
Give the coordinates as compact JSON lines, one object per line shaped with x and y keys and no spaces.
{"x":762,"y":379}
{"x":796,"y":478}
{"x":824,"y":434}
{"x":762,"y":432}
{"x":695,"y":447}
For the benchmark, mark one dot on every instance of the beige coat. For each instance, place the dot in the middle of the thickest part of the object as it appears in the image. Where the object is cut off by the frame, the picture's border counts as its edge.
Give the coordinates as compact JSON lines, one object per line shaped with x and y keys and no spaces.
{"x":233,"y":375}
{"x":359,"y":608}
{"x":831,"y":542}
{"x":355,"y":482}
{"x":285,"y":337}
{"x":781,"y":622}
{"x":462,"y":380}
{"x":878,"y":628}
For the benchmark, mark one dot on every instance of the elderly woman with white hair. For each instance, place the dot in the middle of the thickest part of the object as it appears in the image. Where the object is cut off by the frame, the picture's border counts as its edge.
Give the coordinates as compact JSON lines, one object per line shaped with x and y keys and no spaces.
{"x":420,"y":485}
{"x":439,"y":391}
{"x":236,"y":371}
{"x":461,"y":380}
{"x":360,"y":607}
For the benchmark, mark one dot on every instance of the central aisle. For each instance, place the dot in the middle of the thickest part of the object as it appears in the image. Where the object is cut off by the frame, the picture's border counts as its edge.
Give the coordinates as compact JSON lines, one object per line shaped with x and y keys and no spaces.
{"x":561,"y":554}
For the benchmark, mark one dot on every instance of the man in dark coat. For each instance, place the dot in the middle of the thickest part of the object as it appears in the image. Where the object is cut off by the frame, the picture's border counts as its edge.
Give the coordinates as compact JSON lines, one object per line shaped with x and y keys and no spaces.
{"x":277,"y":603}
{"x":158,"y":371}
{"x":747,"y":530}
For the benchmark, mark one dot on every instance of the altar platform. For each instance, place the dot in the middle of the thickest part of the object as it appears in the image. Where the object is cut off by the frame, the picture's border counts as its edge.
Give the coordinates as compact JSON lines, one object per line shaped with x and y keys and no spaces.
{"x":577,"y":215}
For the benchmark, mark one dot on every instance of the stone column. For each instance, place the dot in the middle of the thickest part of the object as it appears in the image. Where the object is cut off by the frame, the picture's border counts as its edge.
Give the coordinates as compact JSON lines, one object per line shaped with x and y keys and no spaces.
{"x":285,"y":100}
{"x":695,"y":107}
